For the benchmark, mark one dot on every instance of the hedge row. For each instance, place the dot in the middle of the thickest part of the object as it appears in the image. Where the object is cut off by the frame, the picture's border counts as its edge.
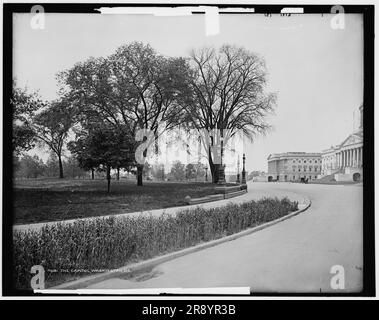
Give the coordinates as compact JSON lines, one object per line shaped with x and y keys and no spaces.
{"x":108,"y":243}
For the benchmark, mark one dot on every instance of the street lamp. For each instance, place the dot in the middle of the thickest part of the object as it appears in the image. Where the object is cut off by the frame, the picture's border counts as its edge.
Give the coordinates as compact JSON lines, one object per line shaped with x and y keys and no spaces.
{"x":243,"y":172}
{"x":206,"y":173}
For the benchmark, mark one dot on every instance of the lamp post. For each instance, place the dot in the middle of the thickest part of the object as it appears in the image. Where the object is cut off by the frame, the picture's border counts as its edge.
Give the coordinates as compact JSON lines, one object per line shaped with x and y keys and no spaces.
{"x":243,"y":172}
{"x":238,"y":170}
{"x":206,"y":173}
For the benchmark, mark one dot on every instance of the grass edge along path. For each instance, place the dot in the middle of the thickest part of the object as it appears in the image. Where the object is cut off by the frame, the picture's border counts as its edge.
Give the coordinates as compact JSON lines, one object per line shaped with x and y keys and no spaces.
{"x":69,"y":251}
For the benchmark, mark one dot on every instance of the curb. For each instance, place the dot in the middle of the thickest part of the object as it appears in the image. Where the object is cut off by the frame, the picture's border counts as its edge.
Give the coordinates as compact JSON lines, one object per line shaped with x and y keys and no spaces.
{"x":129,"y":271}
{"x":215,"y":197}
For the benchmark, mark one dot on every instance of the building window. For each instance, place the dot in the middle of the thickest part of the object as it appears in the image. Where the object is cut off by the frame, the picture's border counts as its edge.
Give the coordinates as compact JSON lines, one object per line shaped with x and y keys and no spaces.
{"x":310,"y":169}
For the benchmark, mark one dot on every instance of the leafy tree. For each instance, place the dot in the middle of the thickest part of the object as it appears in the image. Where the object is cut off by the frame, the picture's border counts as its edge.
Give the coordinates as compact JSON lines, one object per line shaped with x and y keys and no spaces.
{"x":16,"y":163}
{"x":255,"y":173}
{"x":52,"y":167}
{"x":24,"y":105}
{"x":147,"y":168}
{"x":190,"y":171}
{"x":30,"y":167}
{"x":107,"y":148}
{"x":229,"y":96}
{"x":72,"y":168}
{"x":52,"y":127}
{"x":134,"y":86}
{"x":200,"y":170}
{"x":178,"y":170}
{"x":158,"y":172}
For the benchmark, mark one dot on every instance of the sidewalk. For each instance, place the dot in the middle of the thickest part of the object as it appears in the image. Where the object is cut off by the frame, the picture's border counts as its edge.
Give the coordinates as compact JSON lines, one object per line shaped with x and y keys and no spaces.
{"x":255,"y":192}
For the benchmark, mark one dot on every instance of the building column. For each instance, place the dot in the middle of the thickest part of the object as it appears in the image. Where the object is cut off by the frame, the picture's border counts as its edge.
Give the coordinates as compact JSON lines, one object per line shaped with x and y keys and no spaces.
{"x":361,"y":156}
{"x":337,"y":159}
{"x":344,"y":158}
{"x":350,"y":157}
{"x":356,"y":157}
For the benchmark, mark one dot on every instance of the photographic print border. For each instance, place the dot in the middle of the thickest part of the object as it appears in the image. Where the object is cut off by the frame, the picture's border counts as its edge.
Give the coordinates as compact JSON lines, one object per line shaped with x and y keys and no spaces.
{"x":368,"y":151}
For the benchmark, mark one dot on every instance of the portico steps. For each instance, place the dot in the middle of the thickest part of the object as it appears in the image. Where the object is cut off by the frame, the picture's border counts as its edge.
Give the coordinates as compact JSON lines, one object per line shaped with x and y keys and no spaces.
{"x":330,"y":177}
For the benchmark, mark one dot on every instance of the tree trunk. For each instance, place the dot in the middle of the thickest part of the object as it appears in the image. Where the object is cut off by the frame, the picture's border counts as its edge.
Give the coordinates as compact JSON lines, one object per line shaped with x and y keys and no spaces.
{"x":139,"y":174}
{"x":213,"y":167}
{"x":93,"y":173}
{"x":214,"y":171}
{"x":109,"y":177}
{"x":118,"y":174}
{"x":60,"y":167}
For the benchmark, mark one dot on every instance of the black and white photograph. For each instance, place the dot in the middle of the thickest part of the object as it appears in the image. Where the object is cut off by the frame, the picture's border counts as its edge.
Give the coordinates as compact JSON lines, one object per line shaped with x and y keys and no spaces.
{"x":188,"y":150}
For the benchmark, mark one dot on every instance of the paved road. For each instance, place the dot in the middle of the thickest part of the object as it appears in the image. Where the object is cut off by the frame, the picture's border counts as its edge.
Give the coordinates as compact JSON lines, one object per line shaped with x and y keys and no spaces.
{"x":293,"y":256}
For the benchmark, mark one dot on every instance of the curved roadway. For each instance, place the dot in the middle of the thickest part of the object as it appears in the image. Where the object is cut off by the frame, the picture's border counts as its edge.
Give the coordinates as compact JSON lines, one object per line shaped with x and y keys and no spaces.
{"x":295,"y":255}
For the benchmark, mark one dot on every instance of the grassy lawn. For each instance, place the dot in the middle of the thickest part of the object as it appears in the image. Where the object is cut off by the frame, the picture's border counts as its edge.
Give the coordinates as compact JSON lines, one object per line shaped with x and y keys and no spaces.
{"x":40,"y":200}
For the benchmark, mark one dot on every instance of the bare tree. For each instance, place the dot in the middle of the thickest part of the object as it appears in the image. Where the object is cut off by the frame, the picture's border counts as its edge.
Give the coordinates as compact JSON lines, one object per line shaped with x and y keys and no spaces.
{"x":228,"y":96}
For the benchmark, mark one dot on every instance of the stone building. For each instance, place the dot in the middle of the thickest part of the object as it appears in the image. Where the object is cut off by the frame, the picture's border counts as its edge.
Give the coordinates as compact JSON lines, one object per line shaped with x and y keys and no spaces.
{"x":345,"y":161}
{"x":292,"y":166}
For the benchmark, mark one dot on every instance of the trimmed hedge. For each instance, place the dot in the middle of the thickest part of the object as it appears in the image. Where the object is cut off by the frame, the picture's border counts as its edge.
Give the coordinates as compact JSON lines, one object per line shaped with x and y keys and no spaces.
{"x":108,"y":243}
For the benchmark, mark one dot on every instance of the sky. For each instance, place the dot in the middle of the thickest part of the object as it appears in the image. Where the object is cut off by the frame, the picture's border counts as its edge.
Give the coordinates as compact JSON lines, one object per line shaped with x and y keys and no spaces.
{"x":315,"y":70}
